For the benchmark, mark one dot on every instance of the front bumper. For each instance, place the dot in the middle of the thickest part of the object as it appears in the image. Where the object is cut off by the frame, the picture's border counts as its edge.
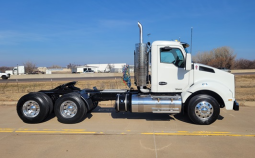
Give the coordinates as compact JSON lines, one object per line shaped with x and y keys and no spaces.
{"x":236,"y":106}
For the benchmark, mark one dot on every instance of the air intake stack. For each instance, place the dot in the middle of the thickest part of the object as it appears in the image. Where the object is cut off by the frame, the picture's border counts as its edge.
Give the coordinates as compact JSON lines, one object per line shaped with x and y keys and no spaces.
{"x":141,"y":63}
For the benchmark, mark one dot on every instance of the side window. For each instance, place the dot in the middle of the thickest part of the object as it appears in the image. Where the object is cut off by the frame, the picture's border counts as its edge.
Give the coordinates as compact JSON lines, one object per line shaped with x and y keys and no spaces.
{"x":166,"y":57}
{"x":172,"y":56}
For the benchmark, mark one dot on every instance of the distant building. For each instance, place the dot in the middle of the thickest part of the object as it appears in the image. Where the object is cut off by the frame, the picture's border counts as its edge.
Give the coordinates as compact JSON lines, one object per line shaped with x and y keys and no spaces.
{"x":43,"y":69}
{"x":114,"y":68}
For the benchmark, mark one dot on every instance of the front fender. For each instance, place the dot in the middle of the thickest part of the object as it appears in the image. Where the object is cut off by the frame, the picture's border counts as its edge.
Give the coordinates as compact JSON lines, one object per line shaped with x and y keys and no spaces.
{"x":224,"y":92}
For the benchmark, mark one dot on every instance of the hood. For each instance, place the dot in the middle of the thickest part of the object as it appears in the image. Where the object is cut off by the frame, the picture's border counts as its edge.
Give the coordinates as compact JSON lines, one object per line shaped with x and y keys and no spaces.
{"x":205,"y":72}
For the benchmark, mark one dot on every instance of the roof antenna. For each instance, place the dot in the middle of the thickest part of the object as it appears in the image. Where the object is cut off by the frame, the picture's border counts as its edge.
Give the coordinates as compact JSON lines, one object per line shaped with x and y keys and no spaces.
{"x":191,"y":40}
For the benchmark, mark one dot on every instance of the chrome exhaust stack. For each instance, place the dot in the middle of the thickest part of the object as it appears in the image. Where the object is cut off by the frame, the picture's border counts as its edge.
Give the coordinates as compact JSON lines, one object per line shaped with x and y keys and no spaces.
{"x":141,"y":31}
{"x":141,"y":63}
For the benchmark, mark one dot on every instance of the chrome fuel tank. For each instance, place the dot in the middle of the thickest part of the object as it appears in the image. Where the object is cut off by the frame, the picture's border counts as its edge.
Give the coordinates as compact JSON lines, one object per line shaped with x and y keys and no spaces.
{"x":156,"y":104}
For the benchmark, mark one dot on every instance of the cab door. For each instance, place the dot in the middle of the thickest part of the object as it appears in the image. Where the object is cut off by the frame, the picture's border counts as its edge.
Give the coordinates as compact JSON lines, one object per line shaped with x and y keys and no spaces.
{"x":172,"y":77}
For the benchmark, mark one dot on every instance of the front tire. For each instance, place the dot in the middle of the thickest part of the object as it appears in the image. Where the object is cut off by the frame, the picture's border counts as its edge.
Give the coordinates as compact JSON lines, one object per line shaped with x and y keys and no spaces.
{"x":203,"y":109}
{"x":70,"y":108}
{"x":4,"y":77}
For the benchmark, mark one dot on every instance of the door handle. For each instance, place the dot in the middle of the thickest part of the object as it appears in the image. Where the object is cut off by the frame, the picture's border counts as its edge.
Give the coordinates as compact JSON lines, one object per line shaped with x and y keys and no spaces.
{"x":162,"y":83}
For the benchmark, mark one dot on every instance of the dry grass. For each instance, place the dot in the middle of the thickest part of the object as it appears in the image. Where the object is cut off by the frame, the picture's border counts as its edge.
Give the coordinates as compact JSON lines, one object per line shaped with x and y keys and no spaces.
{"x":245,"y":87}
{"x":13,"y":91}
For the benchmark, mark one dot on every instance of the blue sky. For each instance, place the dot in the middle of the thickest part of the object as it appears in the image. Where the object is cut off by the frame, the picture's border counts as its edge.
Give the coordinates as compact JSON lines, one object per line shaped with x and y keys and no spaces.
{"x":59,"y":32}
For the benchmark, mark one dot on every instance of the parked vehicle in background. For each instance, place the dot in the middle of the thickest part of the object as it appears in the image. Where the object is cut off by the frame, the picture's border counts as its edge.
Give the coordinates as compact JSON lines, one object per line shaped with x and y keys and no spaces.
{"x":4,"y":76}
{"x":37,"y":72}
{"x":89,"y":71}
{"x":82,"y":70}
{"x":18,"y":70}
{"x":77,"y":70}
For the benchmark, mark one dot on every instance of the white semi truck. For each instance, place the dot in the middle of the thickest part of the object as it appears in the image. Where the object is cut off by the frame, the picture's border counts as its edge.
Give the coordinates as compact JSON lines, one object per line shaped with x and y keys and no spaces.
{"x":19,"y":70}
{"x":174,"y":85}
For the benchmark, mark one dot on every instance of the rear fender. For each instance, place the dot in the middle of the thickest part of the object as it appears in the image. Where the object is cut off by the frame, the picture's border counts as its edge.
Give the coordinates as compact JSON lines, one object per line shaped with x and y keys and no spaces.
{"x":88,"y":101}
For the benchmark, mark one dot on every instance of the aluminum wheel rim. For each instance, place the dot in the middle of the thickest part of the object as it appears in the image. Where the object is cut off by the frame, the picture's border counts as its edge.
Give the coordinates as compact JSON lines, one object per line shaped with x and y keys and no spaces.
{"x":31,"y":108}
{"x":68,"y":109}
{"x":204,"y":110}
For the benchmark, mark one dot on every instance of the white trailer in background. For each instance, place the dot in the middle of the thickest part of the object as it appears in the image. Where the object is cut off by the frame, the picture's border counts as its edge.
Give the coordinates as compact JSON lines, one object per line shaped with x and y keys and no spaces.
{"x":19,"y":70}
{"x":77,"y":70}
{"x":47,"y":72}
{"x":84,"y":69}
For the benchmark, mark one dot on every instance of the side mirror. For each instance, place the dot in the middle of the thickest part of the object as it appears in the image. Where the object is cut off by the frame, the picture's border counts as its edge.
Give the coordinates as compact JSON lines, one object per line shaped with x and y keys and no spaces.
{"x":188,"y":62}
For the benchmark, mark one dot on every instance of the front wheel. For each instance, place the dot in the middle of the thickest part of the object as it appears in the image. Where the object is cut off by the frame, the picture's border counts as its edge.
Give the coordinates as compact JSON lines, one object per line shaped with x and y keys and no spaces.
{"x":4,"y":77}
{"x":203,"y":109}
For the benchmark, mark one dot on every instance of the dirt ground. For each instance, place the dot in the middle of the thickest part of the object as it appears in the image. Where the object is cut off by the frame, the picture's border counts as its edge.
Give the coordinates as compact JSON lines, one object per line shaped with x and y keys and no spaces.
{"x":245,"y":87}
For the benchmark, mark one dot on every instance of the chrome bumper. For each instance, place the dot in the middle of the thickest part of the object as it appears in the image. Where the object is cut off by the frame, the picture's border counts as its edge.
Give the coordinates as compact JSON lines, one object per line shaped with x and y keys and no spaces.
{"x":236,"y":106}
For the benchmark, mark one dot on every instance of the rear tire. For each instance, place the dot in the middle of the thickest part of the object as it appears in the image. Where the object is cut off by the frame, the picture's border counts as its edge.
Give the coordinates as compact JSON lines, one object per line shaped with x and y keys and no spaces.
{"x":203,"y":109}
{"x":50,"y":103}
{"x":70,"y":108}
{"x":32,"y":108}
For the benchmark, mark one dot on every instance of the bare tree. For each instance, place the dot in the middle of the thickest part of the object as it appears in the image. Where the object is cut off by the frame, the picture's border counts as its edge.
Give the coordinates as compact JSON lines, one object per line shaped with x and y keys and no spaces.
{"x":222,"y":57}
{"x":29,"y":67}
{"x":55,"y":67}
{"x":244,"y":64}
{"x":71,"y":66}
{"x":4,"y":68}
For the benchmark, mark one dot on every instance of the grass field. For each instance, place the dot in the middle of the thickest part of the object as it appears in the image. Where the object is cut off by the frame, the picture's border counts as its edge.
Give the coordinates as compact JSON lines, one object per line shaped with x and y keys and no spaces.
{"x":13,"y":91}
{"x":245,"y":87}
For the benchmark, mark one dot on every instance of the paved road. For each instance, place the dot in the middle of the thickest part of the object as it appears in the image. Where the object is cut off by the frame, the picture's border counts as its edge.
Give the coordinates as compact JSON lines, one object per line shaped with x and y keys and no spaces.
{"x":105,"y":133}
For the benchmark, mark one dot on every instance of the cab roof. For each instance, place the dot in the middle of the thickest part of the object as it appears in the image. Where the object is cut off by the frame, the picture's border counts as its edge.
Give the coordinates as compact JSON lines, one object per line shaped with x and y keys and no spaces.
{"x":171,"y":43}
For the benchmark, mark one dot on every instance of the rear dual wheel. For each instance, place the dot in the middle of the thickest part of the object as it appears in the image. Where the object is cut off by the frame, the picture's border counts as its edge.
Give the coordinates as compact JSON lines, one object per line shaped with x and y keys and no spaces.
{"x":70,"y":108}
{"x":33,"y":107}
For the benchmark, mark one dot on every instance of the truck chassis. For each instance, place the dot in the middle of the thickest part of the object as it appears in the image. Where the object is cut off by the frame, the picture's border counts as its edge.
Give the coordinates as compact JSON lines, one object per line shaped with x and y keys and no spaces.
{"x":70,"y":104}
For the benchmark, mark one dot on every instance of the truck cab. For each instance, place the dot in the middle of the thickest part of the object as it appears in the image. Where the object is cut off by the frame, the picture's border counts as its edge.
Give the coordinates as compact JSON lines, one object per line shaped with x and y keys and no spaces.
{"x":168,"y":71}
{"x":170,"y":74}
